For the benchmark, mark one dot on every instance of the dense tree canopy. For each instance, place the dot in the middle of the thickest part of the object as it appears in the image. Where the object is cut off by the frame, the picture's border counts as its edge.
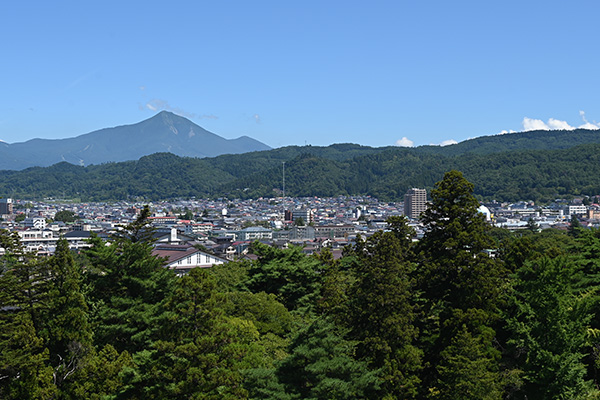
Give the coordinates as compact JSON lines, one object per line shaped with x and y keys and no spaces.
{"x":527,"y":166}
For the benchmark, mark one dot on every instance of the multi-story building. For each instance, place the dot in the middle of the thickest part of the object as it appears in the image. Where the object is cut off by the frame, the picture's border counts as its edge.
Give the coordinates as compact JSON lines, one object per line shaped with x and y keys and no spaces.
{"x":415,"y":203}
{"x":255,"y":233}
{"x":6,"y":206}
{"x":332,"y":231}
{"x":577,"y":209}
{"x":304,"y":213}
{"x":35,"y":223}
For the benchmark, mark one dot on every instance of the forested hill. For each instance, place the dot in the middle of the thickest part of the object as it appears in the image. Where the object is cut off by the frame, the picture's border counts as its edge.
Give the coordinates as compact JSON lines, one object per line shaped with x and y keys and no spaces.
{"x":531,"y":140}
{"x":317,"y":171}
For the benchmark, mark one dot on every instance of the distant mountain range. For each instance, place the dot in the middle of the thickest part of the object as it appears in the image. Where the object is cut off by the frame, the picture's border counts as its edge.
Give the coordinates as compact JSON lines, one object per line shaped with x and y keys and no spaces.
{"x":165,"y":132}
{"x":537,"y":165}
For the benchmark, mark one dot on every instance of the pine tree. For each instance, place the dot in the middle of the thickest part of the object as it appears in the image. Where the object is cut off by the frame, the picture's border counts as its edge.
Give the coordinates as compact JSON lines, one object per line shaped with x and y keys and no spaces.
{"x":321,"y":366}
{"x":381,"y":313}
{"x":549,"y":324}
{"x":66,"y":329}
{"x":292,"y":276}
{"x":128,"y":289}
{"x":461,"y":285}
{"x":24,"y":369}
{"x":201,"y":353}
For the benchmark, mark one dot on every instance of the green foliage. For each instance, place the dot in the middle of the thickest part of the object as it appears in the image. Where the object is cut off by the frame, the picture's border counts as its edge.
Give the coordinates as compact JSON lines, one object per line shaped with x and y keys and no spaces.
{"x":66,"y":329}
{"x":231,"y":276}
{"x":505,"y":168}
{"x":262,"y":309}
{"x":128,"y":289}
{"x":202,"y":352}
{"x":289,"y":274}
{"x":575,"y":227}
{"x":321,"y":366}
{"x":461,"y":289}
{"x":336,"y":281}
{"x":464,"y":370}
{"x":456,"y":270}
{"x":549,"y":324}
{"x":65,"y":216}
{"x":380,"y":312}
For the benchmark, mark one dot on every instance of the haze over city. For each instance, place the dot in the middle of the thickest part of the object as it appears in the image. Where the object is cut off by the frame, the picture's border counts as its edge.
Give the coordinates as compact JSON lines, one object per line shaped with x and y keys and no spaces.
{"x":377,"y":74}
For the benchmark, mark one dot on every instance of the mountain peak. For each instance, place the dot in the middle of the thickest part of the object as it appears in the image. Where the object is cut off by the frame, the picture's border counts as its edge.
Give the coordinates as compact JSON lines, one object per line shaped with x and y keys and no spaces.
{"x":163,"y":132}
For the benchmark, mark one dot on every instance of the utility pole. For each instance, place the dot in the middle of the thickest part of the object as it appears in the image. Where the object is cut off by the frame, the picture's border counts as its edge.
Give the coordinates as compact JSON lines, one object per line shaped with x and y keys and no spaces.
{"x":284,"y":179}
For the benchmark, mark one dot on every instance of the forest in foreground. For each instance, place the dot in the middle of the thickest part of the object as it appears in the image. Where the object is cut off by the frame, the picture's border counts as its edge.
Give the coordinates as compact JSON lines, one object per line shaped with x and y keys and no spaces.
{"x":441,"y":318}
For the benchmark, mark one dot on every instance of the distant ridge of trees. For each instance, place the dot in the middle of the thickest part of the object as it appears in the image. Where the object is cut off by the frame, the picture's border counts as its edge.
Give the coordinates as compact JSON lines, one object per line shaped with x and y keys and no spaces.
{"x":537,"y":166}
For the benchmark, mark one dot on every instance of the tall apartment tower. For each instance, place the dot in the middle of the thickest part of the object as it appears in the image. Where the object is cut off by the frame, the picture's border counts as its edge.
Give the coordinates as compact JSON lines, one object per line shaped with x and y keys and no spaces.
{"x":415,"y":202}
{"x":6,"y":206}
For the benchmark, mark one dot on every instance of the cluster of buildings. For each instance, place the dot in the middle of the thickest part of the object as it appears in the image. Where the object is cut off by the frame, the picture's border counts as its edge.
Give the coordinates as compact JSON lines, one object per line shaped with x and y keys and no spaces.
{"x":200,"y":233}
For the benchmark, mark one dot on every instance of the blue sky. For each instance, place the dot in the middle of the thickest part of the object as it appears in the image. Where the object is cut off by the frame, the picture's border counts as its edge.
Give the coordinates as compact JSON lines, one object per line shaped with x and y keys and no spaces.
{"x":376,"y":73}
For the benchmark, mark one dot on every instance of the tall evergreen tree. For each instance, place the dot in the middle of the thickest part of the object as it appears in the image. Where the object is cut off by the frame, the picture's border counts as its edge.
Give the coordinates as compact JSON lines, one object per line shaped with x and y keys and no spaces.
{"x":380,"y":312}
{"x":461,"y":286}
{"x":129,"y":287}
{"x":66,"y":329}
{"x":549,"y":330}
{"x":292,"y":276}
{"x":24,"y":369}
{"x":202,"y":352}
{"x":321,"y":365}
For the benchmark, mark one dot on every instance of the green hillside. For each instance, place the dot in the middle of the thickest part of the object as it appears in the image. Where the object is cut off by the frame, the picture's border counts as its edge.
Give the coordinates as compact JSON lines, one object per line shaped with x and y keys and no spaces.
{"x":498,"y":170}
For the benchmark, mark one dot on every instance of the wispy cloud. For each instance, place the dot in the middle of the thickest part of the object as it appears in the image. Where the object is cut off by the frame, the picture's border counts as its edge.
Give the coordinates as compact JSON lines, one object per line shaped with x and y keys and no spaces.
{"x":81,"y":79}
{"x":587,"y":124}
{"x":404,"y":142}
{"x":159,"y":104}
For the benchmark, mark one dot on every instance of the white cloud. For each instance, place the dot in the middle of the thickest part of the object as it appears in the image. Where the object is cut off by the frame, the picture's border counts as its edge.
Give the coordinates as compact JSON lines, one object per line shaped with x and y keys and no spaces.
{"x":530,"y":124}
{"x":589,"y":125}
{"x":448,"y":142}
{"x":559,"y":125}
{"x":405,"y":142}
